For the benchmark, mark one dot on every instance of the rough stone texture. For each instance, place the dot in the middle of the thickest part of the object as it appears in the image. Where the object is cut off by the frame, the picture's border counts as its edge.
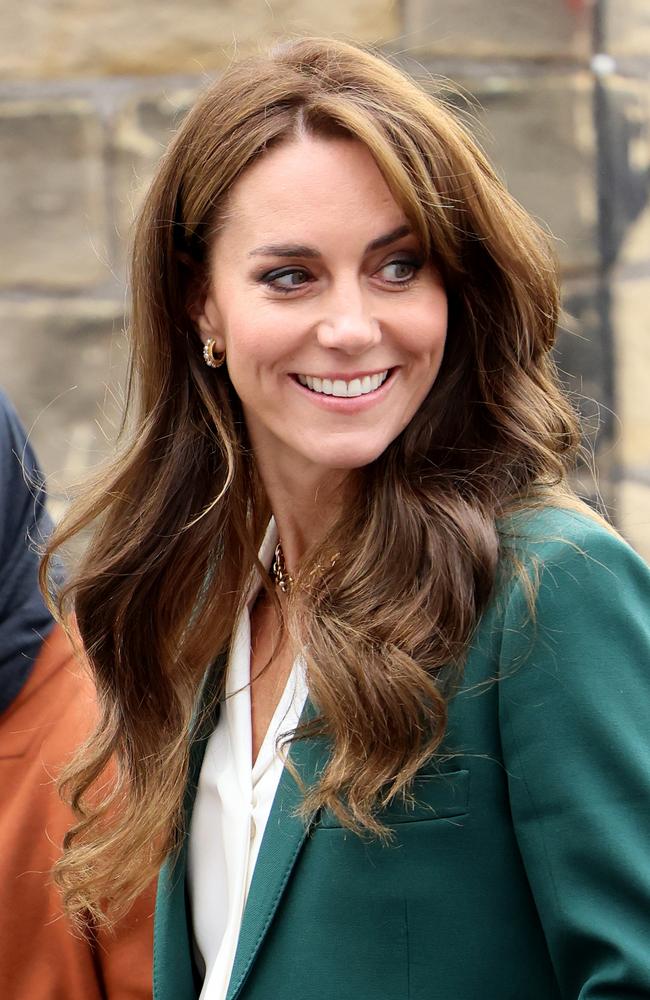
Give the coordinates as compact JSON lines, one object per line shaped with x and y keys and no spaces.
{"x":632,"y":322}
{"x":143,"y":128}
{"x":93,"y":37}
{"x":553,"y":29}
{"x":543,"y":143}
{"x":539,"y":134}
{"x":627,"y":27}
{"x":52,"y":195}
{"x":61,"y":363}
{"x":24,"y":38}
{"x":634,"y":514}
{"x":626,"y":165}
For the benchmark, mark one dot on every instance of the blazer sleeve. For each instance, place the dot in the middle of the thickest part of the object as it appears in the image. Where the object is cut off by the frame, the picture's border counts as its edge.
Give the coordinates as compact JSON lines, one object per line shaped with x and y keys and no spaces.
{"x":574,"y":703}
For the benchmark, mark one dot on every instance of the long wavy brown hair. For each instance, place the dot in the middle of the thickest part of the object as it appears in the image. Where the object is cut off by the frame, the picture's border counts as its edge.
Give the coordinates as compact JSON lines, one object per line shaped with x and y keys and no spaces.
{"x":179,"y":516}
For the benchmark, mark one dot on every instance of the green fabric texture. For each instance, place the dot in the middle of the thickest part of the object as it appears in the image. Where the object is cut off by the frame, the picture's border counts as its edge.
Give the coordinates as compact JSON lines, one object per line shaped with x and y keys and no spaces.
{"x":523,"y":872}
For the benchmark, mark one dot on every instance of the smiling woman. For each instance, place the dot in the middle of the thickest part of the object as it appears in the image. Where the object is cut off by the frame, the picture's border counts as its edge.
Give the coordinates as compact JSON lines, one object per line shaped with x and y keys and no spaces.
{"x":366,"y":663}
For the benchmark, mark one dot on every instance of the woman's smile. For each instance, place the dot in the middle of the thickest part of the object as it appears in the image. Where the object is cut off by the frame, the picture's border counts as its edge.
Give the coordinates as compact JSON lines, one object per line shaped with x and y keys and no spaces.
{"x":344,"y":385}
{"x":340,"y":395}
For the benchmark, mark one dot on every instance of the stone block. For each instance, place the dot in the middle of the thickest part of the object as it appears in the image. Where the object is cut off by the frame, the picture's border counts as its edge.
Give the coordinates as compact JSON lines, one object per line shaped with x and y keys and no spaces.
{"x":504,"y":29}
{"x":633,"y":508}
{"x":52,"y":195}
{"x":143,"y":128}
{"x":539,"y":134}
{"x":62,"y":364}
{"x":631,"y":325}
{"x":624,"y":109}
{"x":627,"y":27}
{"x":24,"y":39}
{"x":84,"y":37}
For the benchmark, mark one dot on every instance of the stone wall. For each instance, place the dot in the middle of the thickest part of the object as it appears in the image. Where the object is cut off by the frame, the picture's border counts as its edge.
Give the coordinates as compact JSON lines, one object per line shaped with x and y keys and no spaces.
{"x":90,"y":93}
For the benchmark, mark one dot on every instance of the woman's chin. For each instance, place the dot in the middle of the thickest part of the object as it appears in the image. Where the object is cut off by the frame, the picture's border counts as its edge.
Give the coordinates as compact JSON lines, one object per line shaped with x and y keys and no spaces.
{"x":343,"y":457}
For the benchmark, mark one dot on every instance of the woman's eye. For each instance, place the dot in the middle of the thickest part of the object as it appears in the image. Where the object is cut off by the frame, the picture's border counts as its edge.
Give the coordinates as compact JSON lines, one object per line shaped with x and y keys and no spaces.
{"x":285,"y":279}
{"x":399,"y":272}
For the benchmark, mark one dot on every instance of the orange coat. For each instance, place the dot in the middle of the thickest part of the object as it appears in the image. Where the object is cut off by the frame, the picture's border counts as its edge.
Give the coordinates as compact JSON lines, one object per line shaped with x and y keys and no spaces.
{"x":40,"y":957}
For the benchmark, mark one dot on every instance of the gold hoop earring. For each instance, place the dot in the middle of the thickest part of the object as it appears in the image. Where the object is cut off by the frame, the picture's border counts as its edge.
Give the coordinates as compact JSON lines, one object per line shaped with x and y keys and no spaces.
{"x":211,"y":359}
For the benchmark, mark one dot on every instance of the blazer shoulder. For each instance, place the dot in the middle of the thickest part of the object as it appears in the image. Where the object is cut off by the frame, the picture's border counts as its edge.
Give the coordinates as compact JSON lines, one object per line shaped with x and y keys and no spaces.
{"x":560,"y":568}
{"x":536,"y":542}
{"x":546,"y":530}
{"x":571,"y":577}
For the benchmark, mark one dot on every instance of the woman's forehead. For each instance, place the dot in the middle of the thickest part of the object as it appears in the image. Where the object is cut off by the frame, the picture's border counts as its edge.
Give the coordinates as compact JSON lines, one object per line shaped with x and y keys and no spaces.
{"x":310,"y":187}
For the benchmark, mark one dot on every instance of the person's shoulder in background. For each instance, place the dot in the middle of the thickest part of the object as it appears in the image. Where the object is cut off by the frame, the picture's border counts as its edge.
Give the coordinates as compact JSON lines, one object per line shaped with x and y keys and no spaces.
{"x":24,"y":526}
{"x":47,"y":709}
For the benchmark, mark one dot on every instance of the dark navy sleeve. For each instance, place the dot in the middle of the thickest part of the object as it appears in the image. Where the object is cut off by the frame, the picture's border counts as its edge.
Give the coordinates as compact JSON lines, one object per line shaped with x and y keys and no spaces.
{"x":24,"y":525}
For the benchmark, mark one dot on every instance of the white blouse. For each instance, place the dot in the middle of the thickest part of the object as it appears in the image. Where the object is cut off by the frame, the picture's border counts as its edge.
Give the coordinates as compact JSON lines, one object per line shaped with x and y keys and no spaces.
{"x":233,"y":803}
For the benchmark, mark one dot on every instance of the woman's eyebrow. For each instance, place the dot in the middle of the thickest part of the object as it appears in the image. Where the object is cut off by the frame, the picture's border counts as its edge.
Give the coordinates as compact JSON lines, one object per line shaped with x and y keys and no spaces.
{"x":280,"y":250}
{"x":300,"y":250}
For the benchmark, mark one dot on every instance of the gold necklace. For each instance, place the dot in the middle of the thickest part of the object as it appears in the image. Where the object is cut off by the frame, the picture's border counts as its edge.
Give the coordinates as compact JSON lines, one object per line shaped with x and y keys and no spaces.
{"x":279,"y":574}
{"x":281,"y":578}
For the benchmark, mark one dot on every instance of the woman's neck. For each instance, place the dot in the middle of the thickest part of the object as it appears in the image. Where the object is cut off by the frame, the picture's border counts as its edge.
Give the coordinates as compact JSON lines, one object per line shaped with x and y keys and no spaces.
{"x":305,"y":510}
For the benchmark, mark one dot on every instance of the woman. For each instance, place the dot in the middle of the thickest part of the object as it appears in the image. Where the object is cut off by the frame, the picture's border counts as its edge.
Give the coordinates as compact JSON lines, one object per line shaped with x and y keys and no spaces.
{"x":346,"y":492}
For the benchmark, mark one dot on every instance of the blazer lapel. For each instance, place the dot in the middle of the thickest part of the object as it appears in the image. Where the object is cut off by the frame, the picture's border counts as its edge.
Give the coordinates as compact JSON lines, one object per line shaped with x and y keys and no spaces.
{"x":283,"y":838}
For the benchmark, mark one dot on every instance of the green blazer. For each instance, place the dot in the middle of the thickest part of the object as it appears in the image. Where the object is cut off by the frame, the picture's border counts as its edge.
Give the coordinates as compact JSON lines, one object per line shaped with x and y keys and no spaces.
{"x":523,"y":872}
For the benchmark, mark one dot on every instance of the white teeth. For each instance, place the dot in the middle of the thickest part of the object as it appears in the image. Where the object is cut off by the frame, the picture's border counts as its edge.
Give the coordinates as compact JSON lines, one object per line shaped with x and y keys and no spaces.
{"x":338,"y":387}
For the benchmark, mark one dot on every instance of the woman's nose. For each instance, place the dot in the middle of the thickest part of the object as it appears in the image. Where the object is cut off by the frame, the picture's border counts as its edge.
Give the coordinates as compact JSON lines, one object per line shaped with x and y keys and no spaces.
{"x":349,"y":328}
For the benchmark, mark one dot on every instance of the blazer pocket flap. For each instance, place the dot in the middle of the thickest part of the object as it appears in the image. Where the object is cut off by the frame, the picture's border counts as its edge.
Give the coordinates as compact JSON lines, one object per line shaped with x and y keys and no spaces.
{"x":435,"y":795}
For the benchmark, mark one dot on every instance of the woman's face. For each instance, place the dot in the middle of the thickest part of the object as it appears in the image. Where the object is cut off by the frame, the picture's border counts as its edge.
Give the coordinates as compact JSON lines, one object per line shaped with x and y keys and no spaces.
{"x":332,"y":322}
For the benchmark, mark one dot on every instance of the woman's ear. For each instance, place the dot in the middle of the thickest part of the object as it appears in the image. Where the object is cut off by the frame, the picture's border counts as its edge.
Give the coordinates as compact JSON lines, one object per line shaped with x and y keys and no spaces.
{"x":205,"y":316}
